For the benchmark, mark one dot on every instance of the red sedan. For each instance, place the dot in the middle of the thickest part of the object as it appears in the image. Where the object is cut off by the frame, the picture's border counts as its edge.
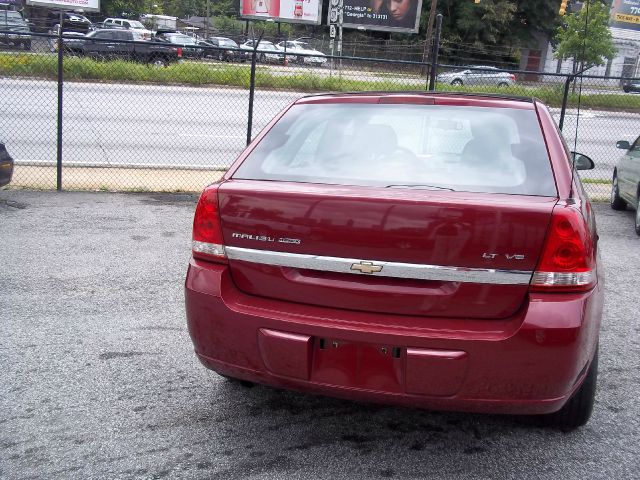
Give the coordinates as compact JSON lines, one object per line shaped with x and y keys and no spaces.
{"x":431,"y":250}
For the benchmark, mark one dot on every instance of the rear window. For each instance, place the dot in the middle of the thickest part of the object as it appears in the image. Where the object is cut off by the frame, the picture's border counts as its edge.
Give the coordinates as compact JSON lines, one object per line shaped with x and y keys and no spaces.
{"x":474,"y":149}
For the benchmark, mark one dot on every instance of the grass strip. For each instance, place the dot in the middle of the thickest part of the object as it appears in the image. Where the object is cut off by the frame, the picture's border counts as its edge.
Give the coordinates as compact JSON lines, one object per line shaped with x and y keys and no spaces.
{"x":201,"y":73}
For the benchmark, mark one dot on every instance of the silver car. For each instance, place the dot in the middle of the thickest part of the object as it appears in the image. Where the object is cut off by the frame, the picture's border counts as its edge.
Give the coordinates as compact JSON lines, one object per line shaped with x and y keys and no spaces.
{"x":480,"y":75}
{"x":625,"y":188}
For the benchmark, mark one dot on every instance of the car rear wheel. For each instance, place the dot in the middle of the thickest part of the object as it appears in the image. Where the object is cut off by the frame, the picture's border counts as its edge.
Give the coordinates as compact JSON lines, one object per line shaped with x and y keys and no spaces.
{"x":158,"y":62}
{"x":577,"y":410}
{"x":503,"y":84}
{"x":457,"y":82}
{"x":638,"y":216}
{"x":616,"y":202}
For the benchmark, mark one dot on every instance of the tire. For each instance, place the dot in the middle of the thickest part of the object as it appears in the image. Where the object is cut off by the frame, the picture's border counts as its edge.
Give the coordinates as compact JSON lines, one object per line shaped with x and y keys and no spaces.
{"x":616,"y":202}
{"x":262,"y":58}
{"x":158,"y":62}
{"x":457,"y":82}
{"x":503,"y":85}
{"x":577,"y":411}
{"x":26,"y":45}
{"x":637,"y":216}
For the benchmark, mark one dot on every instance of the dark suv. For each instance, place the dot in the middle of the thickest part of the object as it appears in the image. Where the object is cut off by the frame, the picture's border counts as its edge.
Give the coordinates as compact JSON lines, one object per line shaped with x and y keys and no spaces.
{"x":11,"y":21}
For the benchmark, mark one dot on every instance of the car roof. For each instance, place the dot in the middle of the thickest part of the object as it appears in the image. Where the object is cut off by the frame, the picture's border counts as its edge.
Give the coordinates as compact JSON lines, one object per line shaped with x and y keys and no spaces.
{"x":424,"y":98}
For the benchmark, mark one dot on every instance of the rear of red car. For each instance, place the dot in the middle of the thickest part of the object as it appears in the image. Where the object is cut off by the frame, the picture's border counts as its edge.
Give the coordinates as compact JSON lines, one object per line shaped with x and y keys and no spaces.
{"x":419,"y":249}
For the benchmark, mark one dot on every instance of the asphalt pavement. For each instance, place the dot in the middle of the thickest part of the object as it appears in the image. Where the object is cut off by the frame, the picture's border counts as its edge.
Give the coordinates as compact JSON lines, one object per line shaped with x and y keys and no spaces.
{"x":99,"y":379}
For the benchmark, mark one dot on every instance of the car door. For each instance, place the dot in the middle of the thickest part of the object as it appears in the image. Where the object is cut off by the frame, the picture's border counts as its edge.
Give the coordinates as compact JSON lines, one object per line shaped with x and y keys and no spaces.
{"x":101,"y":44}
{"x":629,"y":173}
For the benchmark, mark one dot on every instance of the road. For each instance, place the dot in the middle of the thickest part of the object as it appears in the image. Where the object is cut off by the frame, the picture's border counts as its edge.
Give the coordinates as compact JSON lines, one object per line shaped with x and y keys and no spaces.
{"x":175,"y":126}
{"x":99,"y":379}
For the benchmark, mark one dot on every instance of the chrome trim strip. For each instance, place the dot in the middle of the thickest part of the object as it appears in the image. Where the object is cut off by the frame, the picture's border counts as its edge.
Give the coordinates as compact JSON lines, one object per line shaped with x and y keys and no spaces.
{"x":389,"y":269}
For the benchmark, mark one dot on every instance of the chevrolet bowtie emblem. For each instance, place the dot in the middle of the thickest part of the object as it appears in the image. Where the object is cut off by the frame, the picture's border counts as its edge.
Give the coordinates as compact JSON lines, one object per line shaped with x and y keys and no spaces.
{"x":366,"y":267}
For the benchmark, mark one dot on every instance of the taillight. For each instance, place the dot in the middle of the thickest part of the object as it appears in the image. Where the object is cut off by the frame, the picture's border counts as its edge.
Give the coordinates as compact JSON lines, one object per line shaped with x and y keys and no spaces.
{"x":179,"y":52}
{"x":207,"y":243}
{"x":568,"y":261}
{"x":513,"y":77}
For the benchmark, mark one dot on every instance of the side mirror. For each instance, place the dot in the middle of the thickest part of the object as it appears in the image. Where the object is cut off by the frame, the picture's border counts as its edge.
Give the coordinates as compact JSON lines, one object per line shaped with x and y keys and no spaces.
{"x":582,"y":162}
{"x":623,"y":144}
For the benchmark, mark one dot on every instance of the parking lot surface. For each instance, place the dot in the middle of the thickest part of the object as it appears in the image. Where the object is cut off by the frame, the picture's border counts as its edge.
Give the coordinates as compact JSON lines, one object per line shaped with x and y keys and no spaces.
{"x":99,"y":380}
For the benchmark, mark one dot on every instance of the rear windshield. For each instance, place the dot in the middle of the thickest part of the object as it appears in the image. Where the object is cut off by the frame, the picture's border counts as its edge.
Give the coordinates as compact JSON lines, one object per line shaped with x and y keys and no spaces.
{"x":474,"y":149}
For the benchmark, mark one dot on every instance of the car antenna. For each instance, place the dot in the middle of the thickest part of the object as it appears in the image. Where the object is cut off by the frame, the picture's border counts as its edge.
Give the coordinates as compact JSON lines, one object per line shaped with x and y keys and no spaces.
{"x":575,"y":137}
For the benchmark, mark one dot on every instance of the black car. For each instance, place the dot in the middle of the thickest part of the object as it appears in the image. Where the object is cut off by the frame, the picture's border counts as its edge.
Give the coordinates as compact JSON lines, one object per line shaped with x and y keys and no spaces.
{"x":632,"y":87}
{"x":6,"y":166}
{"x":72,"y":22}
{"x":108,"y":44}
{"x":228,"y":50}
{"x":190,"y":47}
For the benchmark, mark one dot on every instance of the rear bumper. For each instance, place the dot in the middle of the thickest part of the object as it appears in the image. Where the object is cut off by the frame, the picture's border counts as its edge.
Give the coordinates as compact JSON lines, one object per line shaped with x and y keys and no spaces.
{"x":528,"y":364}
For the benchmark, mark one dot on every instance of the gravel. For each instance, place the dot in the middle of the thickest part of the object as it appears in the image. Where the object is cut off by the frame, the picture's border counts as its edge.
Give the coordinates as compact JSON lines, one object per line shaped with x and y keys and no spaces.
{"x":99,"y":380}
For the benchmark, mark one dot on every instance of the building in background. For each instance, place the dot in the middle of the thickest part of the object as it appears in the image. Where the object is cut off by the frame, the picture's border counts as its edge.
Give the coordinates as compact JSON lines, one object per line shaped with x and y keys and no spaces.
{"x":625,"y":30}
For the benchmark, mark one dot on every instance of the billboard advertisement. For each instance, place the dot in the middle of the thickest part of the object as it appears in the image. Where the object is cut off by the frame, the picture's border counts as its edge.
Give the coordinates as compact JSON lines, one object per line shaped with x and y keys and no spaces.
{"x":86,"y":5}
{"x":386,"y":15}
{"x":625,"y":14}
{"x":291,"y":11}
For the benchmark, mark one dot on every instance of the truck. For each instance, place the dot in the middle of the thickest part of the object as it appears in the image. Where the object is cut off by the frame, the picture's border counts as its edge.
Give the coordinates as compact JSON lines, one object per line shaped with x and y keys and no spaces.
{"x":109,"y":44}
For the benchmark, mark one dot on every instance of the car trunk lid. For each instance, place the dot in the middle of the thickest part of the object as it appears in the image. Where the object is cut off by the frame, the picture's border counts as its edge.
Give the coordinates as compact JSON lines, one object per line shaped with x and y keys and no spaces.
{"x":407,"y":251}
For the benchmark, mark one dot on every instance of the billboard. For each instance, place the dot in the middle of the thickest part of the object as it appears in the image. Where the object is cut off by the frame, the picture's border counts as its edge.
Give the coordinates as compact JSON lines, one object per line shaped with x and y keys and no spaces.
{"x":625,"y":14}
{"x":291,"y":11}
{"x":386,"y":15}
{"x":86,"y":5}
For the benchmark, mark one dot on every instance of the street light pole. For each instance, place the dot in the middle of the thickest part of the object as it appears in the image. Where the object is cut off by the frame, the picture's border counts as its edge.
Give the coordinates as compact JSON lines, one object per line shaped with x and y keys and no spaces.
{"x":427,"y":41}
{"x":206,"y":25}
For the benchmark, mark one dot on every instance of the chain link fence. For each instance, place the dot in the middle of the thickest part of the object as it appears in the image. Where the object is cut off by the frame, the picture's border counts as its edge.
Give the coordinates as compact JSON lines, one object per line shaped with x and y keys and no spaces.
{"x":130,"y":122}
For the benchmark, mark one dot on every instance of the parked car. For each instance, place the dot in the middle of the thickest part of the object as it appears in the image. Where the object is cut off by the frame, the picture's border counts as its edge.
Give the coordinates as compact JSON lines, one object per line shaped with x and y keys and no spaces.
{"x":480,"y":75}
{"x":231,"y":52}
{"x":296,"y":46}
{"x":6,"y":166}
{"x":112,"y":23}
{"x":267,"y":51}
{"x":631,"y":87}
{"x":625,"y":188}
{"x":72,"y":22}
{"x":20,"y":33}
{"x":110,"y":44}
{"x":432,"y":250}
{"x":190,"y":46}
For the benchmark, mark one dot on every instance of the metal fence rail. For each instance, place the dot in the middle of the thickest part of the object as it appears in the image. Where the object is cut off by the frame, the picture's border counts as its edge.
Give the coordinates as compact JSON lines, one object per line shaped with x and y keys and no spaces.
{"x":130,"y":125}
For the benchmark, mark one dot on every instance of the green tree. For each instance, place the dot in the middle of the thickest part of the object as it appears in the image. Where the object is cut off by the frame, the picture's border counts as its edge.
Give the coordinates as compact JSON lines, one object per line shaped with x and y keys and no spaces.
{"x":586,"y":37}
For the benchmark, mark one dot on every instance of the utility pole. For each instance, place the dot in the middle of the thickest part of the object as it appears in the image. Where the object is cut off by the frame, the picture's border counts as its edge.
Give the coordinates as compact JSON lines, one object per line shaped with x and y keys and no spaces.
{"x":427,"y":41}
{"x":206,"y":25}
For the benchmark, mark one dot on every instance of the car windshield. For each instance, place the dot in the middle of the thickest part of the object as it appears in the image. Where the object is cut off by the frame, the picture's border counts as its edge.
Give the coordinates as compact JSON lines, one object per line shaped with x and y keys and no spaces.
{"x":136,"y":24}
{"x":227,"y":43}
{"x":476,"y":149}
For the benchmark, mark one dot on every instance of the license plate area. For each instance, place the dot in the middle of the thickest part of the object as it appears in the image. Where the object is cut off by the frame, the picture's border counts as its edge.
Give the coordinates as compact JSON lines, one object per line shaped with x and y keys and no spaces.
{"x":362,"y":365}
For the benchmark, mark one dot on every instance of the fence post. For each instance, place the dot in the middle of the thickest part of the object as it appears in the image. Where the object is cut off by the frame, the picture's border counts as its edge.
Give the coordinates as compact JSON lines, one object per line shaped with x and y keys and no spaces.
{"x":567,"y":84}
{"x":434,"y":54}
{"x":252,"y":86}
{"x":565,"y":97}
{"x":60,"y":92}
